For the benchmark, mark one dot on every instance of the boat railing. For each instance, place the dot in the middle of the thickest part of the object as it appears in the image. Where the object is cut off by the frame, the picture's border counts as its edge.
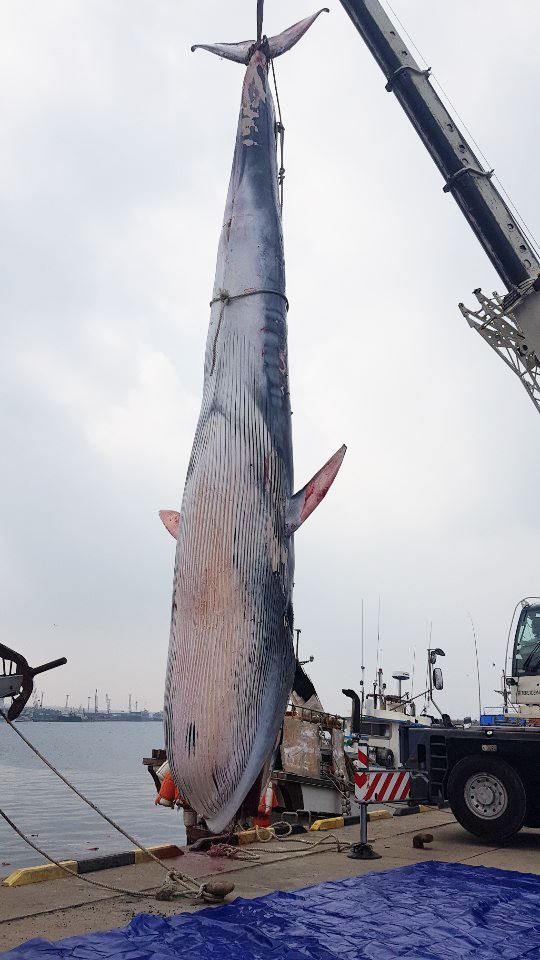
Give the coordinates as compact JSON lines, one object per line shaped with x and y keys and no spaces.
{"x":317,"y":716}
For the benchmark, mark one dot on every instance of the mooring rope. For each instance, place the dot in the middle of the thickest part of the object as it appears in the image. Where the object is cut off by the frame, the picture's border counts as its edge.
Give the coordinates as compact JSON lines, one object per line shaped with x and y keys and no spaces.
{"x":172,"y":876}
{"x":178,"y":877}
{"x":175,"y":879}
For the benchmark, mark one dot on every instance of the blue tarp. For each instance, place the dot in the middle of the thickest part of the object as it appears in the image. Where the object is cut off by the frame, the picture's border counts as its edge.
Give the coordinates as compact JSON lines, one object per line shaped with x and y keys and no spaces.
{"x":431,"y":911}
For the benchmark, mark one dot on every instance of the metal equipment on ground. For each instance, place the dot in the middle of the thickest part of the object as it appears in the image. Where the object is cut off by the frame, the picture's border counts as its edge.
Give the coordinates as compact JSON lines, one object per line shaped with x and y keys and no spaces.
{"x":17,"y":678}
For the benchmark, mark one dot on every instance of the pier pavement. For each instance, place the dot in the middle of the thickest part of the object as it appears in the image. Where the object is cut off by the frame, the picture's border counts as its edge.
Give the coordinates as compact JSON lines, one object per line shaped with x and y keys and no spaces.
{"x":61,"y":908}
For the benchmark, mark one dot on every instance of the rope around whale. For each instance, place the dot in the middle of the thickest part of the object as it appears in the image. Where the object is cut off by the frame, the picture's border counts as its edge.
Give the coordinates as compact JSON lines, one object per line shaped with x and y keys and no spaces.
{"x":224,"y":297}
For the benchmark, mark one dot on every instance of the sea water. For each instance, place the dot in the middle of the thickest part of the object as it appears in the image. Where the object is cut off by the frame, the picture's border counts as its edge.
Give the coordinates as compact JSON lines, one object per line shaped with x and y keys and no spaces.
{"x":104,"y":761}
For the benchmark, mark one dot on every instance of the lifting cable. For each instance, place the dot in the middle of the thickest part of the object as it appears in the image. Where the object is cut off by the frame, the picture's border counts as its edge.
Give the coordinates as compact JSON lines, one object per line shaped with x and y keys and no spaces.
{"x":280,"y":130}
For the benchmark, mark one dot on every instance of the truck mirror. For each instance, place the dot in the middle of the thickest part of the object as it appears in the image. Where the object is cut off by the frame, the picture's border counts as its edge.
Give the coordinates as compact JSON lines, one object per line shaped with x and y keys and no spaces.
{"x":438,"y":682}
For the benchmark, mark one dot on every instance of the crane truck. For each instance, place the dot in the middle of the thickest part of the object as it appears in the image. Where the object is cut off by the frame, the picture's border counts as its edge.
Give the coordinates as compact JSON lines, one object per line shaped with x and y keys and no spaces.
{"x":490,"y":773}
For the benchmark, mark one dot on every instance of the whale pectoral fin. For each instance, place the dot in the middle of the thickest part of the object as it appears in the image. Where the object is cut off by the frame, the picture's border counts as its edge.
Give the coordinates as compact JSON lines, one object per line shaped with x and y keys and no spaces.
{"x":284,"y":41}
{"x":170,"y":520}
{"x":303,"y":503}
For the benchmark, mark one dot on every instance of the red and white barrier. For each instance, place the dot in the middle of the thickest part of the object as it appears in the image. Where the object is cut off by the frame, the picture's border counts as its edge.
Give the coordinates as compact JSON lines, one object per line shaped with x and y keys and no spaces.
{"x":379,"y":786}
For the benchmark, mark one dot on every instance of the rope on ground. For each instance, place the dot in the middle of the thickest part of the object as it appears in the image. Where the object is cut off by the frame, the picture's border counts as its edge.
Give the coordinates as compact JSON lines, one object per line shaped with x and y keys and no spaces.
{"x":266,"y":834}
{"x":231,"y":852}
{"x":172,"y":876}
{"x":287,"y":841}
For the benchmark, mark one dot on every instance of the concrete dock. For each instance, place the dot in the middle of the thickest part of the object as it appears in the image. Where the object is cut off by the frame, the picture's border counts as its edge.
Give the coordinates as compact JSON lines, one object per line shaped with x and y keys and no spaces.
{"x":61,"y":908}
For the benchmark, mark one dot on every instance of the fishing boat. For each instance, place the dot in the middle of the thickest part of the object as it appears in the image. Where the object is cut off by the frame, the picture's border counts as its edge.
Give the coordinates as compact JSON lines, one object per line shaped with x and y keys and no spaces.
{"x":313,"y":768}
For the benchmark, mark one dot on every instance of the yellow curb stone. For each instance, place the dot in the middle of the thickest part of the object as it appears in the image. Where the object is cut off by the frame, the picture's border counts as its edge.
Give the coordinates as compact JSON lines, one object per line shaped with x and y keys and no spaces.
{"x":331,"y":823}
{"x":378,"y":815}
{"x":47,"y":871}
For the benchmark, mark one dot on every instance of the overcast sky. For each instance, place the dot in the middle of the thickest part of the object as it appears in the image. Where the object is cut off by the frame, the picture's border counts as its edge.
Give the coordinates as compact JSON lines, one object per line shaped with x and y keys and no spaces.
{"x":115,"y":152}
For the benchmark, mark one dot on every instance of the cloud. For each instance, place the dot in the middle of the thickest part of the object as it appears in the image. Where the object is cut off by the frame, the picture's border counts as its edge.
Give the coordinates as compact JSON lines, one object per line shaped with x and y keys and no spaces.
{"x":115,"y":149}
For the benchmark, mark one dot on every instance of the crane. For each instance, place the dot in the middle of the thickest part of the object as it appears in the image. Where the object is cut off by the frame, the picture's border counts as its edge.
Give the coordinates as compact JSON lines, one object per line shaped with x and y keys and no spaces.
{"x":488,"y":773}
{"x":510,"y":323}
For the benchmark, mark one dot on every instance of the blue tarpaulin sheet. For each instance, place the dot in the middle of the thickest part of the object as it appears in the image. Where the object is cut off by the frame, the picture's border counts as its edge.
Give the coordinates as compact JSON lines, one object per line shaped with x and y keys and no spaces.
{"x":431,"y":911}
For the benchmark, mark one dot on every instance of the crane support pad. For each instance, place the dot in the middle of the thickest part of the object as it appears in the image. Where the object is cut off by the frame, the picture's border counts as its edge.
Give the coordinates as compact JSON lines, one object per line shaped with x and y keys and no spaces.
{"x":432,"y":910}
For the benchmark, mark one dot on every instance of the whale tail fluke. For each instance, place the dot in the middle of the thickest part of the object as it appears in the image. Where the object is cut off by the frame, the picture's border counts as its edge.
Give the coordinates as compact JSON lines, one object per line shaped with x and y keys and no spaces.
{"x":303,"y":503}
{"x":240,"y":52}
{"x":284,"y":41}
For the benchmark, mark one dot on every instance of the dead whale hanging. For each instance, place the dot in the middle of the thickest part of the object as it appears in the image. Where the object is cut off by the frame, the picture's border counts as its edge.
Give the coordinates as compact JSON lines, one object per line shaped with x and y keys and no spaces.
{"x":231,"y":660}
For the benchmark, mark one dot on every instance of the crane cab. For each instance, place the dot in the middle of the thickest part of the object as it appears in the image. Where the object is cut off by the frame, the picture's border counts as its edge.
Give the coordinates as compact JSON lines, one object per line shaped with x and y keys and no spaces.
{"x":523,"y":686}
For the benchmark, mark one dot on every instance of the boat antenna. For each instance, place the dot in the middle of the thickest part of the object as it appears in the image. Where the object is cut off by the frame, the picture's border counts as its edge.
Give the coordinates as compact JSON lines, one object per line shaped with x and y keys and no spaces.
{"x":378,"y":637}
{"x":413,"y":671}
{"x":362,"y":634}
{"x":362,"y":668}
{"x":428,"y":667}
{"x":377,"y":657}
{"x":477,"y":668}
{"x":260,"y":10}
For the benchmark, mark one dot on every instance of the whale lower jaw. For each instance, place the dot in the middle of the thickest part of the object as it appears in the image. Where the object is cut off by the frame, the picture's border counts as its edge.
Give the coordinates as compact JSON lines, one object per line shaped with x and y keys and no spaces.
{"x":261,"y":753}
{"x":227,"y":813}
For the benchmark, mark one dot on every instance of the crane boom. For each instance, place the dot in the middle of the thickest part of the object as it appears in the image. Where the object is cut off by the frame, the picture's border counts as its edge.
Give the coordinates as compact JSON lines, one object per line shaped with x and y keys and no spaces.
{"x":510,"y":323}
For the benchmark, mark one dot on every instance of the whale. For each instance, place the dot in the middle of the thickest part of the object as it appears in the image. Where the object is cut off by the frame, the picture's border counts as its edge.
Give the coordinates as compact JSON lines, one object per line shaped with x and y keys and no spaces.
{"x":231,"y":661}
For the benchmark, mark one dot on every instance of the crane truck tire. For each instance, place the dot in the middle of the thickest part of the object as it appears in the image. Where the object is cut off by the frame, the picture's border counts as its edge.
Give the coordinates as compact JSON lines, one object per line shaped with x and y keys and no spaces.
{"x":487,"y":797}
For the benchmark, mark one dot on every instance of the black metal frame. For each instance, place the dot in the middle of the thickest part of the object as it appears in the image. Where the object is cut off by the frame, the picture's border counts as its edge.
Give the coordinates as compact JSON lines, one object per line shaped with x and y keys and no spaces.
{"x":18,"y":665}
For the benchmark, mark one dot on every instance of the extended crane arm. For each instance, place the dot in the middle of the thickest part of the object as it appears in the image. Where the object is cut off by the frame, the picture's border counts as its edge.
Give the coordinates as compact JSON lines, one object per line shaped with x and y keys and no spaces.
{"x":464,"y":176}
{"x":511,"y":324}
